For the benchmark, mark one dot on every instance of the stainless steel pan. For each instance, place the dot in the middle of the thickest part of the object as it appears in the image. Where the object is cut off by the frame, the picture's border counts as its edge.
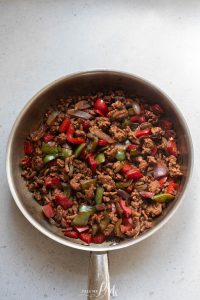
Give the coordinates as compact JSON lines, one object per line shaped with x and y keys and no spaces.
{"x":28,"y":120}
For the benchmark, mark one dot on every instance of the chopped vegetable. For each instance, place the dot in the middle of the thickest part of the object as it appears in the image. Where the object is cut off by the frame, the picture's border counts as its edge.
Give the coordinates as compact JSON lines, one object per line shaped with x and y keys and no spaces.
{"x":171,"y":147}
{"x":72,"y":139}
{"x":100,"y":158}
{"x":102,"y":143}
{"x":67,"y":190}
{"x":87,"y":208}
{"x":126,"y":209}
{"x":61,"y":199}
{"x":123,"y":194}
{"x":160,"y":171}
{"x":86,"y":184}
{"x":144,"y":132}
{"x":65,"y":125}
{"x":51,"y":182}
{"x":48,"y":210}
{"x":65,"y":152}
{"x":92,"y":146}
{"x":49,"y":158}
{"x":79,"y":149}
{"x":71,"y":234}
{"x":162,"y":181}
{"x":92,"y":161}
{"x":48,"y":149}
{"x":99,"y":194}
{"x":122,"y":184}
{"x":101,"y":135}
{"x":138,"y":119}
{"x":131,"y":172}
{"x":81,"y":229}
{"x":172,"y":187}
{"x":146,"y":194}
{"x":120,"y":155}
{"x":163,"y":197}
{"x":52,"y":117}
{"x":101,"y":106}
{"x":83,"y":104}
{"x":81,"y":218}
{"x":86,"y":237}
{"x":28,"y":148}
{"x":99,"y":238}
{"x":48,"y":137}
{"x":95,"y":229}
{"x":79,"y":113}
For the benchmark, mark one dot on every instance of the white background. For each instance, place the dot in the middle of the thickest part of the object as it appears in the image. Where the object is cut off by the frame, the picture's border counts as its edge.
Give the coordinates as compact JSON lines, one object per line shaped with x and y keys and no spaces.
{"x":43,"y":40}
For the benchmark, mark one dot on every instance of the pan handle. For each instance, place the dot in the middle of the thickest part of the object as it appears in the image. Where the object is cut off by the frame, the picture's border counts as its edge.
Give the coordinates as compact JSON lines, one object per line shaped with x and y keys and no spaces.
{"x":99,"y":280}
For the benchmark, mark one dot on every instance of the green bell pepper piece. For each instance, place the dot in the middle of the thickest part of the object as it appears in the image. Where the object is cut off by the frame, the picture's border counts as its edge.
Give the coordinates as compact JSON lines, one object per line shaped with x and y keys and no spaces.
{"x":86,"y":184}
{"x":99,"y":195}
{"x":95,"y":229}
{"x":122,"y":184}
{"x":49,"y":157}
{"x":67,"y":190}
{"x":87,"y":208}
{"x":92,"y":146}
{"x":47,"y":149}
{"x":82,"y":218}
{"x":79,"y":149}
{"x":163,"y":197}
{"x":120,"y":155}
{"x":100,"y":158}
{"x":65,"y":152}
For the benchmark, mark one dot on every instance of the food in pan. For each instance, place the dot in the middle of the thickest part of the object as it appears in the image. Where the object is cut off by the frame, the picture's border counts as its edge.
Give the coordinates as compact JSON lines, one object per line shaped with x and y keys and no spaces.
{"x":103,"y":166}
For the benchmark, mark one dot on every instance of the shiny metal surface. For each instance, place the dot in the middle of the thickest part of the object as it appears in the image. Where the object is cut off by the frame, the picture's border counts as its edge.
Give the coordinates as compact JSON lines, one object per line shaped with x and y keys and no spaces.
{"x":80,"y":84}
{"x":98,"y":277}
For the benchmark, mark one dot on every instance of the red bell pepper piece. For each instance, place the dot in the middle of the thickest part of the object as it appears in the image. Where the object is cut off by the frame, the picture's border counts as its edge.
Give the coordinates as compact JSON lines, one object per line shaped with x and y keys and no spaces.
{"x":128,"y":222}
{"x":86,"y":125}
{"x":81,"y":229}
{"x":134,"y":174}
{"x":126,"y":168}
{"x":65,"y":125}
{"x":143,"y":132}
{"x":48,"y":210}
{"x":102,"y":143}
{"x":92,"y":162}
{"x":137,"y":119}
{"x":72,"y":139}
{"x":154,"y":150}
{"x":52,"y":182}
{"x":71,"y":234}
{"x":162,"y":181}
{"x":28,"y":147}
{"x":86,"y":237}
{"x":61,"y":199}
{"x":101,"y":107}
{"x":99,"y":238}
{"x":171,"y":147}
{"x":97,"y":111}
{"x":48,"y":137}
{"x":26,"y":161}
{"x":131,"y":147}
{"x":172,"y":188}
{"x":126,"y":210}
{"x":166,"y":124}
{"x":156,"y":108}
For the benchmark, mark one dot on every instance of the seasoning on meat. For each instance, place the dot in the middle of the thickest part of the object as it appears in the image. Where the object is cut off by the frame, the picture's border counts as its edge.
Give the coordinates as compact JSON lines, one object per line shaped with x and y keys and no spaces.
{"x":103,"y":166}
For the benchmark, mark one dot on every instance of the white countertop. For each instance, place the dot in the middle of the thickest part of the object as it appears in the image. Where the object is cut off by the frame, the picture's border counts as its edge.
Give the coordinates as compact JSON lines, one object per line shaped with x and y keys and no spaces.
{"x":44,"y":40}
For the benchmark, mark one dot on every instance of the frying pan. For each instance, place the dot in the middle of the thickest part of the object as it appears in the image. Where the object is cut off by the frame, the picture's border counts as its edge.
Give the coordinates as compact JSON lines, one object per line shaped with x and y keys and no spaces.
{"x":28,"y":120}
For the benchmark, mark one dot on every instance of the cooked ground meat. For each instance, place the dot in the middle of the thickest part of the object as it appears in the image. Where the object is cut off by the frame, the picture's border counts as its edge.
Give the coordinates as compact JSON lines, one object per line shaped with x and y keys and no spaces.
{"x":91,"y":165}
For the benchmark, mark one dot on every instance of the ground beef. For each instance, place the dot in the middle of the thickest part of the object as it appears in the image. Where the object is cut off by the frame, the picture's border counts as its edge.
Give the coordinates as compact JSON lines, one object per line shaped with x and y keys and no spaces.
{"x":74,"y":168}
{"x":117,"y":133}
